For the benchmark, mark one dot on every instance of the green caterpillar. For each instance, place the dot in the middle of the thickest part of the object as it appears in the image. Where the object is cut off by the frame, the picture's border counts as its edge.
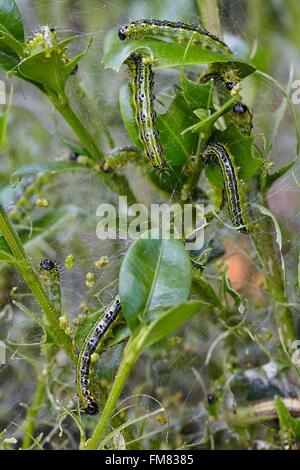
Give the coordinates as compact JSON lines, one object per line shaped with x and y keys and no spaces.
{"x":118,"y":157}
{"x":177,"y":31}
{"x":225,"y":73}
{"x":143,"y":99}
{"x":51,"y":281}
{"x":218,"y":152}
{"x":90,"y":346}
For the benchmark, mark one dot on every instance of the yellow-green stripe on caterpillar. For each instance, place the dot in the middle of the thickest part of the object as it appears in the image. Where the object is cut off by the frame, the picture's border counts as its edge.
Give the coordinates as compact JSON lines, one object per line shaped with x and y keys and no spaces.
{"x":143,"y":99}
{"x":51,"y":281}
{"x":218,"y":152}
{"x":176,"y":31}
{"x":84,"y":364}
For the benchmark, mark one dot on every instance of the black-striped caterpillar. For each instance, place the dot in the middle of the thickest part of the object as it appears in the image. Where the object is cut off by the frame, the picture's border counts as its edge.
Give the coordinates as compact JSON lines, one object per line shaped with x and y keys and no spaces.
{"x":177,"y":31}
{"x":51,"y":281}
{"x":218,"y":152}
{"x":260,"y":411}
{"x":143,"y":100}
{"x":84,"y":364}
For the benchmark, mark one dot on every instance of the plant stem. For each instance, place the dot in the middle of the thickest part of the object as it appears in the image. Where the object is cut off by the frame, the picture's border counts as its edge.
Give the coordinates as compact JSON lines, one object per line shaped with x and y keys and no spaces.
{"x":33,"y":411}
{"x":267,"y":250}
{"x":209,"y":12}
{"x":87,"y":141}
{"x":27,"y":270}
{"x":130,"y":356}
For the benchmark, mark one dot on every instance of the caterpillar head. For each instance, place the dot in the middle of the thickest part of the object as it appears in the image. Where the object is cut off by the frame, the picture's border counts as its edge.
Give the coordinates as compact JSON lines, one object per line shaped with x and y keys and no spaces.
{"x":92,"y":408}
{"x":47,"y":265}
{"x":122,"y":33}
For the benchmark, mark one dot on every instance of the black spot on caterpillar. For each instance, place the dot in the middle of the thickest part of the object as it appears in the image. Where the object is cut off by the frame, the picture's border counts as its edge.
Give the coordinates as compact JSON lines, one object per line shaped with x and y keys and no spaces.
{"x":118,"y":157}
{"x":143,"y":100}
{"x":51,"y":281}
{"x":84,"y":364}
{"x":177,"y":31}
{"x":243,"y":117}
{"x":217,"y":152}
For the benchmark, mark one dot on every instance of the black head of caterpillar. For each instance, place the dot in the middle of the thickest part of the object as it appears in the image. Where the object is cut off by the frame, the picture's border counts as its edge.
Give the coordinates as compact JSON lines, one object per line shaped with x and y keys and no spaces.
{"x":47,"y":265}
{"x":90,"y":346}
{"x":243,"y":117}
{"x":177,"y":31}
{"x":143,"y":101}
{"x":217,"y":152}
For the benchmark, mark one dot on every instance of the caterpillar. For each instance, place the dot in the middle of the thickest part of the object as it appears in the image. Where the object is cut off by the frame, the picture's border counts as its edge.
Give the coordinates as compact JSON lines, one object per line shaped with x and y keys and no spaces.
{"x":243,"y":117}
{"x":225,"y":73}
{"x":84,"y":364}
{"x":218,"y":152}
{"x":177,"y":31}
{"x":143,"y":99}
{"x":118,"y":157}
{"x":43,"y":40}
{"x":51,"y":281}
{"x":262,"y":410}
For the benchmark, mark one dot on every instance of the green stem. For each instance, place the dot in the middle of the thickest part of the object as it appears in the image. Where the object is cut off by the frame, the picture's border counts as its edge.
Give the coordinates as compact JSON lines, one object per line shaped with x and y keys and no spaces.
{"x":32,"y":279}
{"x":209,"y":12}
{"x":130,"y":356}
{"x":267,"y":250}
{"x":87,"y":141}
{"x":33,"y":411}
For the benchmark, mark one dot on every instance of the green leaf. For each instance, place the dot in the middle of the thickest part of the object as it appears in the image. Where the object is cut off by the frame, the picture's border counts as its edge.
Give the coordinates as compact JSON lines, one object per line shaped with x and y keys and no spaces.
{"x":167,"y":54}
{"x":8,"y":60}
{"x":154,"y":273}
{"x":288,"y":424}
{"x":177,"y":148}
{"x":271,"y":178}
{"x":206,"y":125}
{"x":10,"y":20}
{"x":242,"y":149}
{"x":197,"y":95}
{"x":50,"y":72}
{"x":169,"y":321}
